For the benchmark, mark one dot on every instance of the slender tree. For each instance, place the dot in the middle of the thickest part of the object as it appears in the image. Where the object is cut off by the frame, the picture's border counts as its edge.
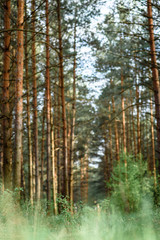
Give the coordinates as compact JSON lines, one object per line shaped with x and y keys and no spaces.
{"x":6,"y":98}
{"x":155,"y":76}
{"x":19,"y":97}
{"x":35,"y":117}
{"x":61,"y":74}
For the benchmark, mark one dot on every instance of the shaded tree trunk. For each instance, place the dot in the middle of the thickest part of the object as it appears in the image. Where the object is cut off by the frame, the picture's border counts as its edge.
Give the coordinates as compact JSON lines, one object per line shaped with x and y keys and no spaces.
{"x":65,"y":155}
{"x":7,"y":167}
{"x":30,"y":176}
{"x":138,"y":122}
{"x":155,"y":76}
{"x":35,"y":117}
{"x":73,"y":118}
{"x":153,"y":146}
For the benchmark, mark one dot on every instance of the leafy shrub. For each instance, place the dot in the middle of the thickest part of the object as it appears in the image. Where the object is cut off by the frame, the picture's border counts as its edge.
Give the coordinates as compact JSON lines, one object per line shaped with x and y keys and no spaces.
{"x":130,"y":184}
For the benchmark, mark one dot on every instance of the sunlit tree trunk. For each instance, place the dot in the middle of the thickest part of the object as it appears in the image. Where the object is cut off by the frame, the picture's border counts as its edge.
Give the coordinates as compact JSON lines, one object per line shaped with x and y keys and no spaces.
{"x":7,"y":167}
{"x":123,"y":117}
{"x":54,"y":177}
{"x":48,"y":108}
{"x":19,"y":97}
{"x":42,"y":147}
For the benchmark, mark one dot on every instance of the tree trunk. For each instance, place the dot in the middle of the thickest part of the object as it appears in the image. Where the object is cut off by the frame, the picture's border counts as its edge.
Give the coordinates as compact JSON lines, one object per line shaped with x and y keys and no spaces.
{"x":65,"y":155}
{"x":133,"y":128}
{"x":138,"y":122}
{"x":110,"y":139}
{"x":30,"y":176}
{"x":54,"y":177}
{"x":19,"y":97}
{"x":153,"y":146}
{"x":155,"y":77}
{"x":42,"y":147}
{"x":73,"y":118}
{"x":6,"y":98}
{"x":35,"y":120}
{"x":123,"y":117}
{"x":116,"y":132}
{"x":48,"y":108}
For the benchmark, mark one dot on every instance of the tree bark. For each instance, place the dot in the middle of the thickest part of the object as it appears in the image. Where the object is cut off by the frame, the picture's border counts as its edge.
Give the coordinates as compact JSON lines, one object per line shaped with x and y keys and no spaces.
{"x":138,"y":123}
{"x":35,"y":120}
{"x":48,"y":108}
{"x":30,"y":176}
{"x":65,"y":155}
{"x":153,"y":145}
{"x":7,"y":166}
{"x":19,"y":97}
{"x":116,"y":132}
{"x":54,"y":177}
{"x":73,"y":118}
{"x":155,"y":77}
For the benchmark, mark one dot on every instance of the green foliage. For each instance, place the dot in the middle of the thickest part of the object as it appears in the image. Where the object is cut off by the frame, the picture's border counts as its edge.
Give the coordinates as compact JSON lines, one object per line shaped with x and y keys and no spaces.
{"x":100,"y":223}
{"x":131,"y":185}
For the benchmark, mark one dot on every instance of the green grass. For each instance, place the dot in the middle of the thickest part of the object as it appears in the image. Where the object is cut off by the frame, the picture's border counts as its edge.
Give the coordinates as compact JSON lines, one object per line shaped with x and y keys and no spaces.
{"x":87,"y":223}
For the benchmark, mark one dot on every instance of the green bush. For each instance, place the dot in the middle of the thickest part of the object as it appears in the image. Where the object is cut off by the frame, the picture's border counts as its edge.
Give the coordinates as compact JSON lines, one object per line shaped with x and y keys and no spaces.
{"x":131,"y":184}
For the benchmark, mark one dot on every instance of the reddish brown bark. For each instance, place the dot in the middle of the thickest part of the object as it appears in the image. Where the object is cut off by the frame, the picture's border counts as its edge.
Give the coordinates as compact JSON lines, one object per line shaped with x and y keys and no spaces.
{"x":42,"y":148}
{"x":123,"y":117}
{"x":155,"y":77}
{"x":48,"y":112}
{"x":64,"y":121}
{"x":19,"y":97}
{"x":6,"y":97}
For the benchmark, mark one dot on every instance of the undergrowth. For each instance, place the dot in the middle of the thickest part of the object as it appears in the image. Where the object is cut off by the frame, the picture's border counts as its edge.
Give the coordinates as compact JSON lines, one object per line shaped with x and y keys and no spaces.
{"x":105,"y":222}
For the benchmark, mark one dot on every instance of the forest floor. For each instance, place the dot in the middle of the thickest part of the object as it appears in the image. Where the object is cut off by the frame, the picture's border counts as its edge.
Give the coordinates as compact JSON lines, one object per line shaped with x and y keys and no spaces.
{"x":87,"y":223}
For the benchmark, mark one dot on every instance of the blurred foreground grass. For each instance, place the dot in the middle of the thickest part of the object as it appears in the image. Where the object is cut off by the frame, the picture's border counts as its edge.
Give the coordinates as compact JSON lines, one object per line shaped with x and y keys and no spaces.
{"x":87,"y":223}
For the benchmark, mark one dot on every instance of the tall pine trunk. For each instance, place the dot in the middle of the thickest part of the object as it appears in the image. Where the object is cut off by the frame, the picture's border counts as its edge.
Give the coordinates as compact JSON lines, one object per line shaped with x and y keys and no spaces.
{"x":155,"y":76}
{"x":48,"y":108}
{"x":6,"y":98}
{"x":73,"y":118}
{"x":35,"y":114}
{"x":153,"y":145}
{"x":30,"y":176}
{"x":19,"y":97}
{"x":64,"y":121}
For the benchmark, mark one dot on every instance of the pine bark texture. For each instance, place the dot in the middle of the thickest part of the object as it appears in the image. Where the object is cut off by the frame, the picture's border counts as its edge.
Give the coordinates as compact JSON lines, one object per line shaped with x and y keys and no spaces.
{"x":7,"y":168}
{"x":19,"y":96}
{"x":64,"y":121}
{"x":30,"y":175}
{"x":155,"y":76}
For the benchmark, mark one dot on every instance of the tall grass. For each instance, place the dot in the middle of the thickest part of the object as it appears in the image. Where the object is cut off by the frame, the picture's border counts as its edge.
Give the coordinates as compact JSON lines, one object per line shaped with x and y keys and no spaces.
{"x":106,"y":222}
